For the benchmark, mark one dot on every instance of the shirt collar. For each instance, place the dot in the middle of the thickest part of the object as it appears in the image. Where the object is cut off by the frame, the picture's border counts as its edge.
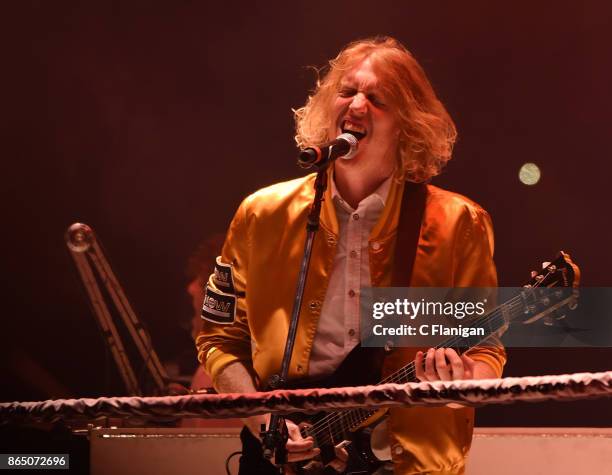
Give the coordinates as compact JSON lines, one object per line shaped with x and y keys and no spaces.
{"x":381,"y":193}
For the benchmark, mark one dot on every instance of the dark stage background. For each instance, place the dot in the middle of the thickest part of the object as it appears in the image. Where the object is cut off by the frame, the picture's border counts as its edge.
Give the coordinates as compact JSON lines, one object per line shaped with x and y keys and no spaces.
{"x":150,"y":121}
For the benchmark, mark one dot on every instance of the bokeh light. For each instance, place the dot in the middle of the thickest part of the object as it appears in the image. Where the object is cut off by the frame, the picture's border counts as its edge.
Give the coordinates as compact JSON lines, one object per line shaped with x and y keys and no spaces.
{"x":529,"y":174}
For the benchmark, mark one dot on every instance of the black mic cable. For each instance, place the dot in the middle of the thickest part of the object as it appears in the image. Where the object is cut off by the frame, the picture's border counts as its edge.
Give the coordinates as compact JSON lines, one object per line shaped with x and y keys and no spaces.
{"x":344,"y":146}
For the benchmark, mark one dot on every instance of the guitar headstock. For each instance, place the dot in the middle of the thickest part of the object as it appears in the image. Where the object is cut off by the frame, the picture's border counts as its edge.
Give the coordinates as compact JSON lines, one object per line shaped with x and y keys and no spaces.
{"x":551,"y":290}
{"x":562,"y":272}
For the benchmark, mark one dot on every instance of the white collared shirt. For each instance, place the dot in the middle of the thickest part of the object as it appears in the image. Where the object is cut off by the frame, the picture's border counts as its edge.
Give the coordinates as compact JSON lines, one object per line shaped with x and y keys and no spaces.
{"x":338,"y":329}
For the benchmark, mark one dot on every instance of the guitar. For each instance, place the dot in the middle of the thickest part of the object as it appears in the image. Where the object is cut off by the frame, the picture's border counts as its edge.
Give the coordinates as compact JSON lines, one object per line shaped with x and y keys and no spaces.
{"x":354,"y":428}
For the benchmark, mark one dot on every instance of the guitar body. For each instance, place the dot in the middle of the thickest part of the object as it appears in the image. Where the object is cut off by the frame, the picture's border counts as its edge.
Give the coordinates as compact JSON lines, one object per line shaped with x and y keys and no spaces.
{"x":361,"y":367}
{"x":362,"y":459}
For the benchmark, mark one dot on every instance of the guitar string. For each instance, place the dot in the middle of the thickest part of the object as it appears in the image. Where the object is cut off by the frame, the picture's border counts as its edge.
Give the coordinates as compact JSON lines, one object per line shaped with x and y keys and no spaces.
{"x":404,"y":374}
{"x":346,"y":420}
{"x":408,"y":373}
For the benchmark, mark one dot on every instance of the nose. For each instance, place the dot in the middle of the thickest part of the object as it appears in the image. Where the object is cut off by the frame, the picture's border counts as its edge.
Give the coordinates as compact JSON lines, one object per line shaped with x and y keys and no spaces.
{"x":358,"y":104}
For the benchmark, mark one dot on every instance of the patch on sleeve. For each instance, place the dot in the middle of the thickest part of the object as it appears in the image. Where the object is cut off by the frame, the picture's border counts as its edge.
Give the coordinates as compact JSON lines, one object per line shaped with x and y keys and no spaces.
{"x":224,"y":277}
{"x":219,"y":307}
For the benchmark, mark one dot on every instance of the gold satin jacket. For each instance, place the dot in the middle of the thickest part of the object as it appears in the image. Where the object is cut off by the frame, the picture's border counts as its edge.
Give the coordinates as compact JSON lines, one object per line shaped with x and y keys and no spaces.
{"x":264,"y":247}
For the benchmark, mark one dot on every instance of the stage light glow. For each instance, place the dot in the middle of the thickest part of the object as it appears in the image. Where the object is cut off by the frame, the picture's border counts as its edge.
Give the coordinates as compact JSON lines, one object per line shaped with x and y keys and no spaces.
{"x":529,"y":174}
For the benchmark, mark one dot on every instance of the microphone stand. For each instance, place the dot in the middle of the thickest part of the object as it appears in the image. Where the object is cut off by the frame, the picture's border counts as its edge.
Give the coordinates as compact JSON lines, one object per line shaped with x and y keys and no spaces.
{"x":275,"y":438}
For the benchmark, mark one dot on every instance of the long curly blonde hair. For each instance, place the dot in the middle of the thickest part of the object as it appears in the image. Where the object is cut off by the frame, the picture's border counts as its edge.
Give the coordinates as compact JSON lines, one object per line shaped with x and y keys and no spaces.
{"x":427,"y":132}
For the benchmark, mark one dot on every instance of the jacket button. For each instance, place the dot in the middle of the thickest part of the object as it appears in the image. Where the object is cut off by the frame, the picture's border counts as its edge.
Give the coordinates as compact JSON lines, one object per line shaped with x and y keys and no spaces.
{"x":376,"y":245}
{"x":351,"y":293}
{"x":314,"y":305}
{"x":299,"y":368}
{"x":331,"y":240}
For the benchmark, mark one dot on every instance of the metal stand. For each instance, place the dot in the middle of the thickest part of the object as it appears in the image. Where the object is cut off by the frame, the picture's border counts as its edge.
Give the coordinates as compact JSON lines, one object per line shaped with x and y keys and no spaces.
{"x":85,"y":250}
{"x":275,"y":438}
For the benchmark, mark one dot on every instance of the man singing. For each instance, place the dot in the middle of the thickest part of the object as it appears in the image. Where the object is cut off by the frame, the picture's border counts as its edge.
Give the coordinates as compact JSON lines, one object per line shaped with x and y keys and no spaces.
{"x":375,"y":90}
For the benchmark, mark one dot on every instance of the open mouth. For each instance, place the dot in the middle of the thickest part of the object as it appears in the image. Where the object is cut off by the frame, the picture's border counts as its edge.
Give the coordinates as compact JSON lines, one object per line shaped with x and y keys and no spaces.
{"x":349,"y":127}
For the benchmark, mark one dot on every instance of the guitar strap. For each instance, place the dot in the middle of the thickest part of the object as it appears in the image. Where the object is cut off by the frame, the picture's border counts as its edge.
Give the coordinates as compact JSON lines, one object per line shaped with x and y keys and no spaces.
{"x":412,"y":210}
{"x":408,"y":231}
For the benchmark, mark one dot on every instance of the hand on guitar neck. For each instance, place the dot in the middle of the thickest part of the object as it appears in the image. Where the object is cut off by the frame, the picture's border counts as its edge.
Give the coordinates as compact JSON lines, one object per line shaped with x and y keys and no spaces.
{"x":444,"y":364}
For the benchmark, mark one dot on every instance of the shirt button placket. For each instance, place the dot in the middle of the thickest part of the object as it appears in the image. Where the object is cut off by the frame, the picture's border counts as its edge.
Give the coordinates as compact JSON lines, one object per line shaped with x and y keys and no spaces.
{"x":314,"y":306}
{"x":354,"y":277}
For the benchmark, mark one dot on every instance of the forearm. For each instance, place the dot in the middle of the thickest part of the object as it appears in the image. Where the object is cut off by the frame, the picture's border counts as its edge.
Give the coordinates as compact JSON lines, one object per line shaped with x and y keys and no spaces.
{"x":236,"y":377}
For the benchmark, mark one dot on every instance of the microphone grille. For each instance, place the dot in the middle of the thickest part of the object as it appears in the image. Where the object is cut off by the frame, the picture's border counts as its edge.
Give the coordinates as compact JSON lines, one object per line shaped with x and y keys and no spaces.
{"x":353,"y":144}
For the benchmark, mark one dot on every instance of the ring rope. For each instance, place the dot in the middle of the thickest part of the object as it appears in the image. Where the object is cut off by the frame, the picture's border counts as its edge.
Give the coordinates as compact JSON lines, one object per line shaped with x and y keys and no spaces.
{"x":468,"y":392}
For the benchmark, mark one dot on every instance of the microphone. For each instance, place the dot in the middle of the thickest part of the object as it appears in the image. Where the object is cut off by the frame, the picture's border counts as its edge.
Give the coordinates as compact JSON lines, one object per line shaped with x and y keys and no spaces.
{"x":344,"y":146}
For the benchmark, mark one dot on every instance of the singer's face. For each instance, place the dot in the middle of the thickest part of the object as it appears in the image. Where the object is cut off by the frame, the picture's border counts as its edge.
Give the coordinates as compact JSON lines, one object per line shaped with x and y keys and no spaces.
{"x":360,"y":107}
